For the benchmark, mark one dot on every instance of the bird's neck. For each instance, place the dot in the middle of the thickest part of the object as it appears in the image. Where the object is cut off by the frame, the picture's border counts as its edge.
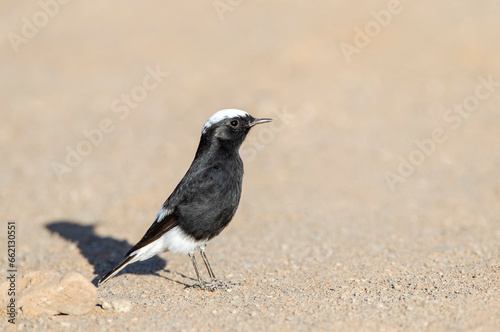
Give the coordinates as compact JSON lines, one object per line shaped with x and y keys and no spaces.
{"x":216,"y":147}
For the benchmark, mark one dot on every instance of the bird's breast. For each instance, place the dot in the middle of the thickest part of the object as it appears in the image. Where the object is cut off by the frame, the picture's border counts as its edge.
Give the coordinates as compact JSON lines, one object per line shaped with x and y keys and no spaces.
{"x":214,"y":200}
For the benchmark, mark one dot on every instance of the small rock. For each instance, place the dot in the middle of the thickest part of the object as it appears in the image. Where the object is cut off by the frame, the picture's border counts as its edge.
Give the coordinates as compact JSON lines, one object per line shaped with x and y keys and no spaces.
{"x":52,"y":293}
{"x":119,"y":305}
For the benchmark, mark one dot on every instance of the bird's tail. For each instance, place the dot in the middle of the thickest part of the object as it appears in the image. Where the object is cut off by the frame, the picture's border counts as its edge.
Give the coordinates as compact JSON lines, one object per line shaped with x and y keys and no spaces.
{"x":128,"y":260}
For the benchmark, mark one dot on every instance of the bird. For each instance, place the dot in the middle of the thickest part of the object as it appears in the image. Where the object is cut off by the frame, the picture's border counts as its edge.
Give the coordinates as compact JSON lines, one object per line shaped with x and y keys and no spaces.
{"x":204,"y":201}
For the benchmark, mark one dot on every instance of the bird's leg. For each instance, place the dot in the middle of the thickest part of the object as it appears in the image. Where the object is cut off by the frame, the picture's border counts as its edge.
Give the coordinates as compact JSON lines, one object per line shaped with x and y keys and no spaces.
{"x":201,"y":284}
{"x":207,"y":264}
{"x":214,"y":283}
{"x":193,"y":259}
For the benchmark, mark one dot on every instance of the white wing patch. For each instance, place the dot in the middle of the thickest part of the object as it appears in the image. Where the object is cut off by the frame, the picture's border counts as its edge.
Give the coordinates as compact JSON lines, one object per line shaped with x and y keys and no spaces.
{"x":162,"y":213}
{"x":221,"y":115}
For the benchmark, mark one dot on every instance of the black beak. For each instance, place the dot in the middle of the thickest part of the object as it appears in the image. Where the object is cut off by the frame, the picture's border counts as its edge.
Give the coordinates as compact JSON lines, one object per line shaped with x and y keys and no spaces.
{"x":259,"y":121}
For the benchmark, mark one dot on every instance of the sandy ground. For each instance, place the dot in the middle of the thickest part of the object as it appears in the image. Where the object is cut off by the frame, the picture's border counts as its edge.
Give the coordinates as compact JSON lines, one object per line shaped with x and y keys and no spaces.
{"x":372,"y":204}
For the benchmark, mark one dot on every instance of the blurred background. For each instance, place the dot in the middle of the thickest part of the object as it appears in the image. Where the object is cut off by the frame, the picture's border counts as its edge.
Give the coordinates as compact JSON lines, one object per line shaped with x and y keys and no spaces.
{"x":385,"y":140}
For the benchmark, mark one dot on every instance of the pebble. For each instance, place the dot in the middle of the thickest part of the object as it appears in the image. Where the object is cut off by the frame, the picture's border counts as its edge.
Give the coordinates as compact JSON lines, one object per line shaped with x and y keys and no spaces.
{"x":118,"y":305}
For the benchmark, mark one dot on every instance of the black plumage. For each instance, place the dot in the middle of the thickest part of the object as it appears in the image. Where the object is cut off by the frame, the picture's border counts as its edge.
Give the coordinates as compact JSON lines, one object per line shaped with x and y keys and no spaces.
{"x":205,"y":200}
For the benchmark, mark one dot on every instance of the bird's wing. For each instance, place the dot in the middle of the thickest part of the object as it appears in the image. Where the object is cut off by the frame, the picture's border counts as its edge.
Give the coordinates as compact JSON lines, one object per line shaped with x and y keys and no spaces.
{"x":196,"y":187}
{"x":165,"y":221}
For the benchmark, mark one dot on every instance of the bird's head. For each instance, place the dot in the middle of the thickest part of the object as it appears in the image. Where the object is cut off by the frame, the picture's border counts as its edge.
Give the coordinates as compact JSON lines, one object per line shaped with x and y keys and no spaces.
{"x":230,"y":125}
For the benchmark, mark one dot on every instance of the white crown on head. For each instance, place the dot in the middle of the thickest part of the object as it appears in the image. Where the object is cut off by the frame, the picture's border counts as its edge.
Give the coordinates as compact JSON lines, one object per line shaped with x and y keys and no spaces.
{"x":222,"y":115}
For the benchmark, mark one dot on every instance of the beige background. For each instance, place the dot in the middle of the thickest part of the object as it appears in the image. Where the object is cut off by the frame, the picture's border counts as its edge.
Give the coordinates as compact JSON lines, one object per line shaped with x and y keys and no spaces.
{"x":321,"y":240}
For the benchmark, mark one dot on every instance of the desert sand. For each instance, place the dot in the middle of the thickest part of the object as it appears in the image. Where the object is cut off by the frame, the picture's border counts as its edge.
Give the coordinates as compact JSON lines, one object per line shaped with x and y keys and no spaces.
{"x":370,"y":204}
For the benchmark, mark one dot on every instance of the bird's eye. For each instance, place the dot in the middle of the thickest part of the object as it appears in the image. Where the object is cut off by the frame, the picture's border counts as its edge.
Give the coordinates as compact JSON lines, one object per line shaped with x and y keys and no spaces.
{"x":234,"y":123}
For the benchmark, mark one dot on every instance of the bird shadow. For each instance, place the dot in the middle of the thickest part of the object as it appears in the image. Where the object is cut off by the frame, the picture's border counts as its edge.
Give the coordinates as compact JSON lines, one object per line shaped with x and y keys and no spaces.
{"x":104,"y":253}
{"x":174,"y":276}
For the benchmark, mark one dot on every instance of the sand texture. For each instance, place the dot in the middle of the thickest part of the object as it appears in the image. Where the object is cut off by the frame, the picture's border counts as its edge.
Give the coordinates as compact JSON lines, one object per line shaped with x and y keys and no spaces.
{"x":372,"y":203}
